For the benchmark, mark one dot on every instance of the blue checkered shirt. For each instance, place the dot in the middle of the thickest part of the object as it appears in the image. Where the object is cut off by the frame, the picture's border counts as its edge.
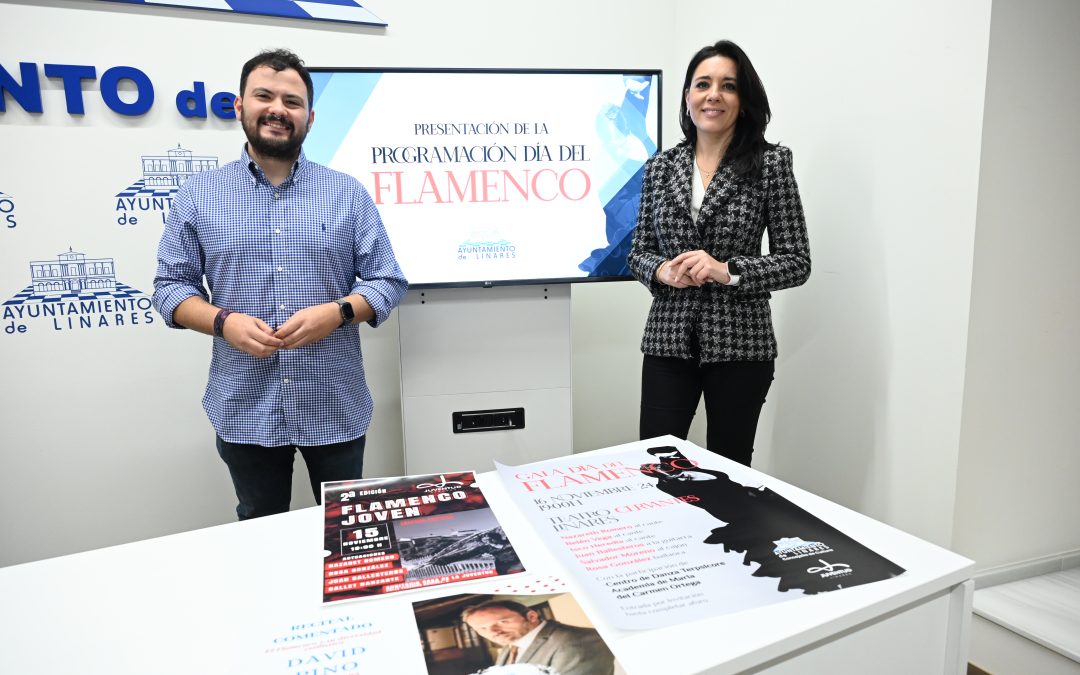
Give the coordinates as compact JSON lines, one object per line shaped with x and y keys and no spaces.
{"x":269,"y":252}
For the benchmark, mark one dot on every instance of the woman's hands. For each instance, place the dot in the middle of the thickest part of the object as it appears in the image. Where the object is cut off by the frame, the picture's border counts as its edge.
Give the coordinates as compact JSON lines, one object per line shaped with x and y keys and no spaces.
{"x":692,"y":268}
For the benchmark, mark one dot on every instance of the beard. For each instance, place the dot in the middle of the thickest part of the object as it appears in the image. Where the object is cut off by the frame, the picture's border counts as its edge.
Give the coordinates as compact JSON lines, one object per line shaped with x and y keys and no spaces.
{"x":278,"y":148}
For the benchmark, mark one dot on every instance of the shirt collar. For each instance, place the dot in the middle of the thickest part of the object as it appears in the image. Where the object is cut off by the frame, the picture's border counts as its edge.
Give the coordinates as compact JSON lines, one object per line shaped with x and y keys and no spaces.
{"x":523,"y":642}
{"x":256,"y":172}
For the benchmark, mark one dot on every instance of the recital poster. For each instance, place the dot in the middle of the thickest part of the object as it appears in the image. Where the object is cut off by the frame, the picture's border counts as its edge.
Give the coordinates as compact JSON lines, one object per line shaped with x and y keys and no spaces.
{"x":659,"y":533}
{"x":372,"y":638}
{"x":385,"y":535}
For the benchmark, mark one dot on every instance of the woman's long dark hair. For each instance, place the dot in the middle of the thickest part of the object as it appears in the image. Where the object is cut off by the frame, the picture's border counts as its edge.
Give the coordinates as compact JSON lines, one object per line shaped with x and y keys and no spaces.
{"x":748,"y":143}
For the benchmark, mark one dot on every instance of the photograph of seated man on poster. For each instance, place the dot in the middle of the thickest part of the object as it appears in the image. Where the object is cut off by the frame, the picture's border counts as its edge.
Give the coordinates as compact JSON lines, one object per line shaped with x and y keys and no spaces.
{"x":484,"y":634}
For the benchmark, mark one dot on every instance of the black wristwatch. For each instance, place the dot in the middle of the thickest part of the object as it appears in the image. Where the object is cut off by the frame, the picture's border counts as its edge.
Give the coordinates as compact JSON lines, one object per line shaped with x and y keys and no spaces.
{"x":347,"y":314}
{"x":733,"y":268}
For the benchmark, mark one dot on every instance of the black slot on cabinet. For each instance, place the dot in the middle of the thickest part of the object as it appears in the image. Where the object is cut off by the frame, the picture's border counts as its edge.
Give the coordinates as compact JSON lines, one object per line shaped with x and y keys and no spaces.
{"x":497,"y":419}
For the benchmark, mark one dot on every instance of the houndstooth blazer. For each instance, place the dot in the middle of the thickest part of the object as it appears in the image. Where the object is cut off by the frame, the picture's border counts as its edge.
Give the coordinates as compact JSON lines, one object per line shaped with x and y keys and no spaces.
{"x":729,"y":323}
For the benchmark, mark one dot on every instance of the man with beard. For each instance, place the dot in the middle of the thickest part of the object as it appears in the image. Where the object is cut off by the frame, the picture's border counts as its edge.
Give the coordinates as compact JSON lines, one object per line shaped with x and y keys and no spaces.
{"x":525,"y":637}
{"x":294,"y":255}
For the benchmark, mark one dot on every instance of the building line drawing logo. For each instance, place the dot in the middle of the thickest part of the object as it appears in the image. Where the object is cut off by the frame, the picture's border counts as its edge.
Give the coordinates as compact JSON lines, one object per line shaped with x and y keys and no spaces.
{"x":164,"y":174}
{"x":71,"y":275}
{"x":162,"y":177}
{"x":793,"y":548}
{"x":76,"y":291}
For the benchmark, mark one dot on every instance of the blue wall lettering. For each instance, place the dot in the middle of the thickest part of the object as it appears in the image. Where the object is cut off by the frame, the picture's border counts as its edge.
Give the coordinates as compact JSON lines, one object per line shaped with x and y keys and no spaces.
{"x":27,"y":94}
{"x":110,"y":81}
{"x":222,"y":105}
{"x":192,"y":102}
{"x":25,"y":91}
{"x":72,"y":77}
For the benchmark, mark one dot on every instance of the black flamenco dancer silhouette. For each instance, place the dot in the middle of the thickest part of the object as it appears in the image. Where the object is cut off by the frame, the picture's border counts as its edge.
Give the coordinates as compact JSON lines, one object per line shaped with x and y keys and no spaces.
{"x":788,"y":543}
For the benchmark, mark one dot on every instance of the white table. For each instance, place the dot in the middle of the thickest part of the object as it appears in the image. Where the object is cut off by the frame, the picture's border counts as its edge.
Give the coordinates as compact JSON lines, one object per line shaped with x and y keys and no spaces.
{"x":213,"y":601}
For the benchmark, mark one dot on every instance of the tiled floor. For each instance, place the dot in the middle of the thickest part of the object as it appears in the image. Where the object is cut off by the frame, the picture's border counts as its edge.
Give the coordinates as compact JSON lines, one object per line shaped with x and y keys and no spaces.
{"x":1044,"y":609}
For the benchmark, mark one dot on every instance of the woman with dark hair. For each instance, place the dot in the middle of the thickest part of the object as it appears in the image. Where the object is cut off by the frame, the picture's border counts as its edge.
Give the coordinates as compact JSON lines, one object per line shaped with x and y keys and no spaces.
{"x":705,"y":206}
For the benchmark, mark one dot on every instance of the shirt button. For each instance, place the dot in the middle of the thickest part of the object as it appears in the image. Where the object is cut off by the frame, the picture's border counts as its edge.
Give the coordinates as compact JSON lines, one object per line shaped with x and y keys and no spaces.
{"x":280,"y":268}
{"x":281,"y":307}
{"x":286,"y":380}
{"x":277,"y":231}
{"x":277,"y":195}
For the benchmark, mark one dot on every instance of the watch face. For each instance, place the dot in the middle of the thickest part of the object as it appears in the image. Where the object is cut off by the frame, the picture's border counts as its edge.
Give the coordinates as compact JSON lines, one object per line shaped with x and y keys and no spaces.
{"x":346,"y":311}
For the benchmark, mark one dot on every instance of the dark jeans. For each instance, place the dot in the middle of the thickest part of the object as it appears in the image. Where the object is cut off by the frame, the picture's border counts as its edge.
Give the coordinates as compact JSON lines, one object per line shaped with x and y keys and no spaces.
{"x":262,"y":476}
{"x":734,"y":393}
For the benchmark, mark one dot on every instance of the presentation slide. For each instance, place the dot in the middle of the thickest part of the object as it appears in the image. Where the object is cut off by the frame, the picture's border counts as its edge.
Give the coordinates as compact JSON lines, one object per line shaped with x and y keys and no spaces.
{"x":494,"y":177}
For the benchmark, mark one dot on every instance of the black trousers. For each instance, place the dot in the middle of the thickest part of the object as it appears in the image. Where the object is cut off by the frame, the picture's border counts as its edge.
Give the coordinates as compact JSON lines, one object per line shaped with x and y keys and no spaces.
{"x":734,"y":393}
{"x":262,"y":477}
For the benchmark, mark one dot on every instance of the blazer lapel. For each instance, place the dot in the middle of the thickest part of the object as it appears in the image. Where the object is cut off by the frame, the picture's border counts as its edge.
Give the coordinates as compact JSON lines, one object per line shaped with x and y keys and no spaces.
{"x":718,"y":193}
{"x":537,"y":643}
{"x":503,"y":656}
{"x":682,"y":177}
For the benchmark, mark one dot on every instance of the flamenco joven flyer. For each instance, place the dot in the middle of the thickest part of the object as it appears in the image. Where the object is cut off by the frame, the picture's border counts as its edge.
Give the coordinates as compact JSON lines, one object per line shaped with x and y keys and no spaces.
{"x":662,"y":531}
{"x":385,"y":535}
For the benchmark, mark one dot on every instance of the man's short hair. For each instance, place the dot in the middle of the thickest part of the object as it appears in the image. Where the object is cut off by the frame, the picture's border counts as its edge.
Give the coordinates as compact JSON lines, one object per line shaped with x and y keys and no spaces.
{"x":516,"y":607}
{"x":279,"y":60}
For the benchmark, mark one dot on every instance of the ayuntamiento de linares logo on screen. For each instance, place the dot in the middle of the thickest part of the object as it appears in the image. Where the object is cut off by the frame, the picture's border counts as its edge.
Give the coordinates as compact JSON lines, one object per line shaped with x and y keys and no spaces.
{"x":471,"y":251}
{"x":71,"y":292}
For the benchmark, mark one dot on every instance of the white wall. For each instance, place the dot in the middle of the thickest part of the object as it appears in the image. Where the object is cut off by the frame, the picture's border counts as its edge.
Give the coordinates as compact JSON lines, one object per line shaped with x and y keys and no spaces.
{"x":105,"y":440}
{"x":881,"y":102}
{"x":1020,"y":445}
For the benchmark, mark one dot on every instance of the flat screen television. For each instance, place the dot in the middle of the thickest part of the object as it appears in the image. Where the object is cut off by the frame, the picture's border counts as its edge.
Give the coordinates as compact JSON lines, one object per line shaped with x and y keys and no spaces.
{"x":494,"y":177}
